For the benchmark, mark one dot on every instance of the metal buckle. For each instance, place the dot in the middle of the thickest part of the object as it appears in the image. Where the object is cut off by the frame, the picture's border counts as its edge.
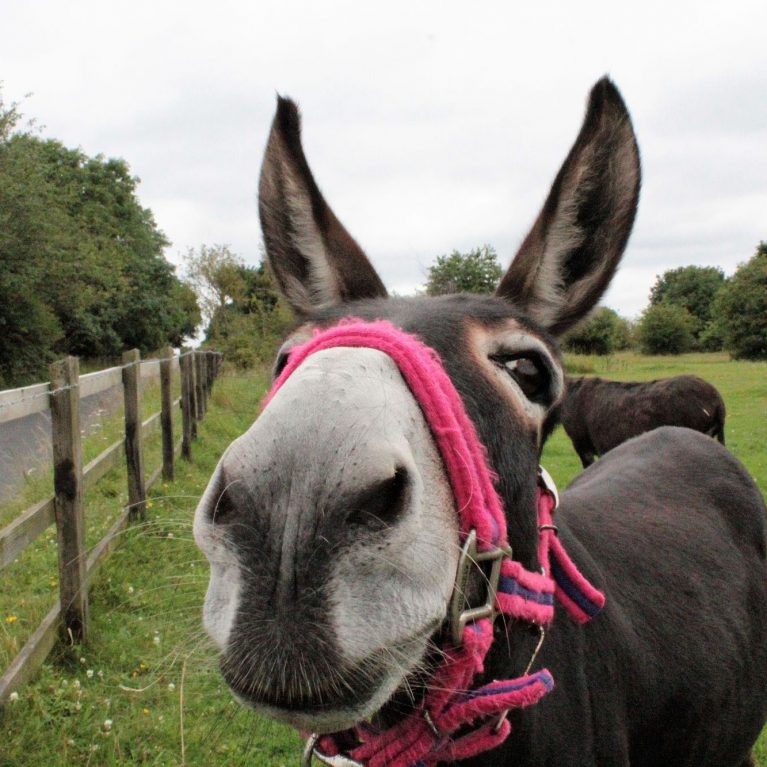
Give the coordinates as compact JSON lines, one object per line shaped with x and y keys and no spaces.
{"x":545,"y":479}
{"x":312,"y":752}
{"x":470,"y":556}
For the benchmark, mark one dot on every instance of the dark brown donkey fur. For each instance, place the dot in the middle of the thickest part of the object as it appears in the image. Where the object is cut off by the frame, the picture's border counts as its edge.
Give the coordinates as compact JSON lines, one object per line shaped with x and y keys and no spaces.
{"x":599,"y":415}
{"x":669,"y":524}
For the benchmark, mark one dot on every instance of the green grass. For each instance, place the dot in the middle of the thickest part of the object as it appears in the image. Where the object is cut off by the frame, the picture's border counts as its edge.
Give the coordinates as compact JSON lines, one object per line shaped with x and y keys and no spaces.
{"x":149,"y":657}
{"x":29,"y":586}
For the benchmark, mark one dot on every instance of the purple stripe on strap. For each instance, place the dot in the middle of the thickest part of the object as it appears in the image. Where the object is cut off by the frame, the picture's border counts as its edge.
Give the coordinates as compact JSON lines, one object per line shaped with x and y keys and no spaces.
{"x":542,"y":676}
{"x":572,"y":591}
{"x":510,"y":586}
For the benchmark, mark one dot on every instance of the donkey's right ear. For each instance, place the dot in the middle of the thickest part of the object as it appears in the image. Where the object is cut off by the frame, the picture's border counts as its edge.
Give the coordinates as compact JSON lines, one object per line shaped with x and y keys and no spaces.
{"x":316,"y":261}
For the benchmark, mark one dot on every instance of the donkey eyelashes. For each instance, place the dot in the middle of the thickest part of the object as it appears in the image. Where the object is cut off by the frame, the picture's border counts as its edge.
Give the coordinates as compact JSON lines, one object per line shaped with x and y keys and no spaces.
{"x":530,"y":371}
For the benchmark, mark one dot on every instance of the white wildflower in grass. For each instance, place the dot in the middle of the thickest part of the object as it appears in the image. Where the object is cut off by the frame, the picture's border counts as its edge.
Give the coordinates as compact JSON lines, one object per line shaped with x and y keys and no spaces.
{"x":170,"y":535}
{"x":13,"y":697}
{"x":171,"y":686}
{"x":89,"y":673}
{"x":107,"y":725}
{"x":100,"y":674}
{"x":76,"y":684}
{"x":130,"y":589}
{"x":156,"y":639}
{"x":82,"y":661}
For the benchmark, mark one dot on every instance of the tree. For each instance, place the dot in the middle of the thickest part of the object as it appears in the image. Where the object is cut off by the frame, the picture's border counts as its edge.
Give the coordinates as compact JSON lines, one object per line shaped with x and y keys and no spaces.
{"x":246,"y":316}
{"x":82,"y":267}
{"x":692,"y":288}
{"x":477,"y":271}
{"x":665,"y":329}
{"x":215,"y":274}
{"x":603,"y":332}
{"x":741,"y":308}
{"x":29,"y":328}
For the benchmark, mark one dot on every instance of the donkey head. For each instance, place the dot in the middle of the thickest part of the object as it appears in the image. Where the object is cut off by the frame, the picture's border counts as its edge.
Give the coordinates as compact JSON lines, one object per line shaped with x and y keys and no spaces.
{"x":330,"y":524}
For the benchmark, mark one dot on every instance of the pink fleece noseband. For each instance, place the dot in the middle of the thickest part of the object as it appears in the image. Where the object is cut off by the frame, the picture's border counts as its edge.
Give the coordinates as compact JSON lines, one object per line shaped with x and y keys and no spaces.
{"x":426,"y":737}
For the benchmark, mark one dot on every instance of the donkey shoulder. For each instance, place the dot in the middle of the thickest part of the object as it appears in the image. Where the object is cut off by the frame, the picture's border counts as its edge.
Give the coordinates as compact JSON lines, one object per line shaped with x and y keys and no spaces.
{"x":672,"y":527}
{"x":676,"y":473}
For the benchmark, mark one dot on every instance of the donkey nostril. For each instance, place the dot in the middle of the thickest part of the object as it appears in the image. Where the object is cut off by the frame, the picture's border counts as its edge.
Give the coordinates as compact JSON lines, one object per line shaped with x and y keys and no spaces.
{"x":381,"y":505}
{"x":224,"y":507}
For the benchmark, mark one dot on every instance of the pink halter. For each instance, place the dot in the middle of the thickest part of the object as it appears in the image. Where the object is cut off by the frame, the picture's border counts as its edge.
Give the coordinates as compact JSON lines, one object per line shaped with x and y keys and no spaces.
{"x":423,"y":739}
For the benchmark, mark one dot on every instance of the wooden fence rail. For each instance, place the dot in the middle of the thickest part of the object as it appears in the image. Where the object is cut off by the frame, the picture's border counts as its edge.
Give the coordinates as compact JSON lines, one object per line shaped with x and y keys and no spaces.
{"x":69,"y":617}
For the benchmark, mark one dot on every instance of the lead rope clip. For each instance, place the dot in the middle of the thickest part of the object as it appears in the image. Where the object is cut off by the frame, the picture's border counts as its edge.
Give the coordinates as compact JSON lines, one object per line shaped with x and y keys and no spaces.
{"x":311,"y":752}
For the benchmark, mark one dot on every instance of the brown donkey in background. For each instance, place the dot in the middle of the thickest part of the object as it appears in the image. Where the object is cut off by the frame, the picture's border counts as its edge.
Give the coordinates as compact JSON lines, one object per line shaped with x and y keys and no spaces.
{"x":599,"y":415}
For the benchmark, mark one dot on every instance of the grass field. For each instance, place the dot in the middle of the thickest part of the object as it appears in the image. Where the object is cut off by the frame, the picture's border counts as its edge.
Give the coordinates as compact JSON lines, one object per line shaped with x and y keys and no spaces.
{"x":146,"y":690}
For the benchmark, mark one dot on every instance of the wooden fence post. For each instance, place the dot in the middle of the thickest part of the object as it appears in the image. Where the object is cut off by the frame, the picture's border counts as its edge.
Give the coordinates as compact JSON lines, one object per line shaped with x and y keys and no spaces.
{"x":195,"y":410}
{"x":187,"y":403}
{"x":134,"y":442}
{"x":205,"y":380}
{"x":68,"y":503}
{"x":166,"y":412}
{"x":208,"y":378}
{"x":200,"y":383}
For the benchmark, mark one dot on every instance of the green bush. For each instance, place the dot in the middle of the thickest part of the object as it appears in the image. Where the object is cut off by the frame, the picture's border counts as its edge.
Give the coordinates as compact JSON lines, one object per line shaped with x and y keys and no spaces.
{"x":604,"y":332}
{"x":693,"y":288}
{"x":666,"y":329}
{"x":741,"y":307}
{"x":477,"y":271}
{"x":250,"y":339}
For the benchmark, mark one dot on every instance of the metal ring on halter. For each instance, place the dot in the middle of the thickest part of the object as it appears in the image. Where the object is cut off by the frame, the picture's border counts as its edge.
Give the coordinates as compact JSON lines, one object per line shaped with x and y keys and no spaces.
{"x":554,"y":529}
{"x":549,"y":484}
{"x":312,"y":752}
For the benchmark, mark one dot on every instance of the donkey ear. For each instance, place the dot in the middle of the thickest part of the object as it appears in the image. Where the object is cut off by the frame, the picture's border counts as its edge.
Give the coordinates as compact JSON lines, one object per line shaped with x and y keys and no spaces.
{"x":570,"y":255}
{"x":316,"y":261}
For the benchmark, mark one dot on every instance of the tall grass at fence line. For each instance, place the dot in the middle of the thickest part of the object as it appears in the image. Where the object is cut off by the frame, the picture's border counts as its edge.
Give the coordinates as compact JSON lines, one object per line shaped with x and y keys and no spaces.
{"x":146,"y":690}
{"x":155,"y":677}
{"x":29,"y":585}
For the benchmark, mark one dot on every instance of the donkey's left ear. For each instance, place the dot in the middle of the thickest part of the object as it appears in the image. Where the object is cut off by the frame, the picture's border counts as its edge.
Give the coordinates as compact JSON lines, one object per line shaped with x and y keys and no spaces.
{"x":570,"y":255}
{"x":316,"y":261}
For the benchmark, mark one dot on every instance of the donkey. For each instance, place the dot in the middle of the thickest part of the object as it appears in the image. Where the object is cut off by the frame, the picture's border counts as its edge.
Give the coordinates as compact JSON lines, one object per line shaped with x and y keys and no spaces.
{"x":336,"y":525}
{"x":598,"y":415}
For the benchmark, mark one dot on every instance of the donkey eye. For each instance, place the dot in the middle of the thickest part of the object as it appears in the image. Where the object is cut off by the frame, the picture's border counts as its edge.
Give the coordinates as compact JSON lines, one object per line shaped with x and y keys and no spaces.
{"x":530,"y":373}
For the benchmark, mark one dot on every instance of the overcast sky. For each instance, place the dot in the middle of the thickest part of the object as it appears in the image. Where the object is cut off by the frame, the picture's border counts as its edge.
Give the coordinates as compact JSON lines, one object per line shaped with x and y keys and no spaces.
{"x":429,"y":126}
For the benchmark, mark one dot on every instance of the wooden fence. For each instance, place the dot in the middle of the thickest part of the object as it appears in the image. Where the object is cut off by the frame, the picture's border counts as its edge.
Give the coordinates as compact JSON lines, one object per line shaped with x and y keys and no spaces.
{"x":61,"y":396}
